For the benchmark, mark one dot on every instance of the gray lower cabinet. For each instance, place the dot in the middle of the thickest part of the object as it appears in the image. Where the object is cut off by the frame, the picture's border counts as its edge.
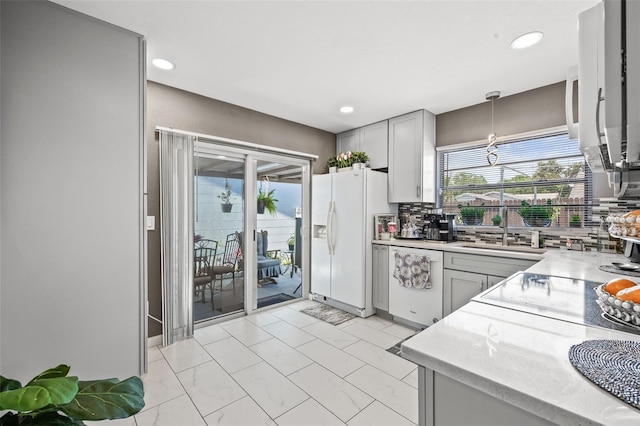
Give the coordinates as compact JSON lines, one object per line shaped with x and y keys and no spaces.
{"x":446,"y":401}
{"x":380,"y":277}
{"x":467,"y":275}
{"x":460,"y":287}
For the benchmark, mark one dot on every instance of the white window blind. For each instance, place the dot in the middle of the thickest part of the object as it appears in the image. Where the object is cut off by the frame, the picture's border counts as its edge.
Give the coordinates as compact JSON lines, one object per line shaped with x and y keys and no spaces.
{"x":547,"y":171}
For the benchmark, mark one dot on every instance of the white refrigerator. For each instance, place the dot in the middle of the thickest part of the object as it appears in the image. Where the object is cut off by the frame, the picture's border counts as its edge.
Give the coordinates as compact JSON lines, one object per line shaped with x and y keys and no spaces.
{"x":343,"y":208}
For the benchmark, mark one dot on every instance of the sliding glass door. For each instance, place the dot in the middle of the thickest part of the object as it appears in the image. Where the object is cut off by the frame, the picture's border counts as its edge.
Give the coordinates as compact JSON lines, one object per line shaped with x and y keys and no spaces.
{"x":249,"y":229}
{"x":219,"y":225}
{"x":279,"y":202}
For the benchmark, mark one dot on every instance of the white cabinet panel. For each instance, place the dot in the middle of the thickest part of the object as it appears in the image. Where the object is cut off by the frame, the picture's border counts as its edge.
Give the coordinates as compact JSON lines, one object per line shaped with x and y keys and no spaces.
{"x":412,"y":158}
{"x":374,"y":140}
{"x":348,"y":141}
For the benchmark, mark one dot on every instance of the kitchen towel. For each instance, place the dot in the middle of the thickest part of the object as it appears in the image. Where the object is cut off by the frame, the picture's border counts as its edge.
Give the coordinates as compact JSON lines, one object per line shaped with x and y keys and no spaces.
{"x":412,"y":270}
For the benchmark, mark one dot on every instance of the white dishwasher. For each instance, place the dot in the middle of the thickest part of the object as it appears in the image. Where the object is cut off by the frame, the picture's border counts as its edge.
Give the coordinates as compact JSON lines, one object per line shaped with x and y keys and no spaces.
{"x":419,"y":305}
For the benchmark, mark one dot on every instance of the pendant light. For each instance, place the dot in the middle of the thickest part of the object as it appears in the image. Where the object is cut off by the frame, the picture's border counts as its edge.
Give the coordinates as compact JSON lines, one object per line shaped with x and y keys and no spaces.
{"x":492,"y":149}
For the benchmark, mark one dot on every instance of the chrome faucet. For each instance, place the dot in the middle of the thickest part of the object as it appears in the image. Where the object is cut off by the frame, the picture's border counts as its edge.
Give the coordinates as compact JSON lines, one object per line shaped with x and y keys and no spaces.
{"x":505,"y":226}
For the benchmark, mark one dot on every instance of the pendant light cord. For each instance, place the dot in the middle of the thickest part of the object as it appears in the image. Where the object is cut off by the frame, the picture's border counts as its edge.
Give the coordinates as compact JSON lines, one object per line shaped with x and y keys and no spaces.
{"x":492,"y":149}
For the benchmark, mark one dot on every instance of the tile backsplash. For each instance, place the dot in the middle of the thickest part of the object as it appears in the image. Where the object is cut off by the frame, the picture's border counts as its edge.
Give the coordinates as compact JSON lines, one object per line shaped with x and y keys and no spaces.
{"x":590,"y":237}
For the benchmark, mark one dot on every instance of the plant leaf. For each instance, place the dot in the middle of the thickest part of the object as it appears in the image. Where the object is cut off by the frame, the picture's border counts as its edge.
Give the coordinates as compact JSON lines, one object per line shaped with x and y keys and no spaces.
{"x":49,"y":419}
{"x":43,"y":392}
{"x":106,"y":399}
{"x":59,"y":371}
{"x":8,"y":384}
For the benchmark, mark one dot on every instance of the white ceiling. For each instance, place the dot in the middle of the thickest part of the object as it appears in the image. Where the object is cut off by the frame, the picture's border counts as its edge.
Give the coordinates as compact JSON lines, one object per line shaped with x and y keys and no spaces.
{"x":302,"y":60}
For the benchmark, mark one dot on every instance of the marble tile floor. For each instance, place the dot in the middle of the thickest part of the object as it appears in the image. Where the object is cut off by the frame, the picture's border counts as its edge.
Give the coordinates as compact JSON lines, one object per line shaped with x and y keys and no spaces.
{"x":282,"y":367}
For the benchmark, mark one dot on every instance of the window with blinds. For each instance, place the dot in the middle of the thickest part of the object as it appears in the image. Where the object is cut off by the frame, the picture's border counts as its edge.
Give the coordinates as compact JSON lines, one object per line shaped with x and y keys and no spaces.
{"x":543,"y":181}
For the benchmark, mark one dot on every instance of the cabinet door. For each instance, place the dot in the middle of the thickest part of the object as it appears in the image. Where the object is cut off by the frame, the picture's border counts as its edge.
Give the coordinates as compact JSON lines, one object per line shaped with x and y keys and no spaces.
{"x":374,"y":140}
{"x":493,"y":280}
{"x":412,"y":158}
{"x":405,"y":158}
{"x":348,"y":141}
{"x":380,"y":277}
{"x":459,"y":288}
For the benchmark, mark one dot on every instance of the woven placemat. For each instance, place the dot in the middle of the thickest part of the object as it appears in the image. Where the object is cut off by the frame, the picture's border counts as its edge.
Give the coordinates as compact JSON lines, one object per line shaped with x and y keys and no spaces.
{"x":613,"y":365}
{"x":613,"y":269}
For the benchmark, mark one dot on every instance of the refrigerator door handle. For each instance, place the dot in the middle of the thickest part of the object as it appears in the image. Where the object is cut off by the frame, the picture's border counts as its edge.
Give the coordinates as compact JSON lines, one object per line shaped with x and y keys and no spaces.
{"x":329,"y":224}
{"x":332,"y":247}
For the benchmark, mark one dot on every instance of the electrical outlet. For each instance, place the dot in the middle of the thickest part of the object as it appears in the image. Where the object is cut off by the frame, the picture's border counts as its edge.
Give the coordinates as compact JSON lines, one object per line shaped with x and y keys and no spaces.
{"x":151,"y":223}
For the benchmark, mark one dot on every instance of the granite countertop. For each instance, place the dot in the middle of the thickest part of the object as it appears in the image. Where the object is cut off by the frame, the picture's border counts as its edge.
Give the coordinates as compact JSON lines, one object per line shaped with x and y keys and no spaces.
{"x":523,"y":358}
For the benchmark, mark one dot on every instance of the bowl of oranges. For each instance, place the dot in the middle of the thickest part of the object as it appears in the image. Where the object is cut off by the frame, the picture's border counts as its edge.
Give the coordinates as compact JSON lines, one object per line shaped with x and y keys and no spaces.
{"x":620,"y":298}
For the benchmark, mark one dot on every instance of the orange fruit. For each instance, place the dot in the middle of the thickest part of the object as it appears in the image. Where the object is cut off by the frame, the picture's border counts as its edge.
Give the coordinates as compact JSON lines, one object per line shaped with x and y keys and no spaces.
{"x":631,"y":294}
{"x":617,"y":284}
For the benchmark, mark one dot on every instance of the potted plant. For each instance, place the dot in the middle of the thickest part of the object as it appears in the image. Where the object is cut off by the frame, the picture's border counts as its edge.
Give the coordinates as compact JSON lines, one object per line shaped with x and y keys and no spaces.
{"x":332,"y":163}
{"x":496,"y":220}
{"x":225,"y":197}
{"x":535,"y":215}
{"x":291,"y":242}
{"x":267,"y":201}
{"x":360,"y":158}
{"x":575,"y":221}
{"x":344,"y":159}
{"x":52,"y":398}
{"x":472,"y":215}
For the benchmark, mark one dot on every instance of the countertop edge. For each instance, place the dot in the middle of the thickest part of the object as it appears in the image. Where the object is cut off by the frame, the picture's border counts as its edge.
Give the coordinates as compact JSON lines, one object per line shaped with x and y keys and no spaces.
{"x":459,"y":247}
{"x":500,"y":391}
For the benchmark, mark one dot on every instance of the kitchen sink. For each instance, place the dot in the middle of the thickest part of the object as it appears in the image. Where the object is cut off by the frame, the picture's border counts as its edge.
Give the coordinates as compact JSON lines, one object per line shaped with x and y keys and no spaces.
{"x":522,"y":249}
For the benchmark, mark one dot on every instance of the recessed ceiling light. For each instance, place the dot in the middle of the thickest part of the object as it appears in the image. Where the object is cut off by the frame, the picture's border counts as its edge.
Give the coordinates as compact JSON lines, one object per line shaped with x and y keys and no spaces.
{"x":346,"y":109}
{"x":526,"y":40}
{"x":163,"y":64}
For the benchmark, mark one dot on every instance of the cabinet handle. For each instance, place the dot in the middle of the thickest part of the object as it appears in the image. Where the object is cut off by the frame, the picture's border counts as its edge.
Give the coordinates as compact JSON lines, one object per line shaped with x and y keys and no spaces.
{"x":418,"y":191}
{"x":599,"y":133}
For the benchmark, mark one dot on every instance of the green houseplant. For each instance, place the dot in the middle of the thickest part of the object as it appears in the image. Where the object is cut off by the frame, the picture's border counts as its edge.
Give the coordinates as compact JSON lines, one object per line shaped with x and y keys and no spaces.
{"x":472,"y":215}
{"x":291,"y":242}
{"x":537,"y":215}
{"x":360,"y":157}
{"x":496,"y":220}
{"x":266,"y":201}
{"x":344,"y":159}
{"x":575,"y":221}
{"x":332,"y":163}
{"x":53,"y":398}
{"x":225,"y":197}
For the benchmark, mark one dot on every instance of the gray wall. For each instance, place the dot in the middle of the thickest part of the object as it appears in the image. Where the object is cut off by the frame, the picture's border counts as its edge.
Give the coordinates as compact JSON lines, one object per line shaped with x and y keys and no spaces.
{"x":535,"y":109}
{"x":170,"y":107}
{"x":71,"y":194}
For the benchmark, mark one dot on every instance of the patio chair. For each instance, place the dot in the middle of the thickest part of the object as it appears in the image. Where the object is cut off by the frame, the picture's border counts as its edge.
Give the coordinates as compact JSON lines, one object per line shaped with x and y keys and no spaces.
{"x":204,"y":254}
{"x":231,"y":261}
{"x":269,"y":263}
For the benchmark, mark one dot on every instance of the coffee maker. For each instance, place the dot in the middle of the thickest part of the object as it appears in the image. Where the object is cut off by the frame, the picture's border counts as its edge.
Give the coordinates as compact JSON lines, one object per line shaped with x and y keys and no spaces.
{"x":439,"y":227}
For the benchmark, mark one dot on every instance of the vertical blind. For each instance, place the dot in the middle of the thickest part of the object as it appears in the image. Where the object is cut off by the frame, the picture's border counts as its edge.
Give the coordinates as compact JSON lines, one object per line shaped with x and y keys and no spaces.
{"x":545,"y":170}
{"x":176,"y":232}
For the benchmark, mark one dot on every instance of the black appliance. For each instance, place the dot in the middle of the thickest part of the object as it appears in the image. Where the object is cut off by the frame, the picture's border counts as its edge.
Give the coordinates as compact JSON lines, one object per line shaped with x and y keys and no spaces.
{"x":439,"y":227}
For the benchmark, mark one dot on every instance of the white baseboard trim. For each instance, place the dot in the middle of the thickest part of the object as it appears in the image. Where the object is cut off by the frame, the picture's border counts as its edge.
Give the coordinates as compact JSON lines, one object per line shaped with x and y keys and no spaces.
{"x":154,"y":341}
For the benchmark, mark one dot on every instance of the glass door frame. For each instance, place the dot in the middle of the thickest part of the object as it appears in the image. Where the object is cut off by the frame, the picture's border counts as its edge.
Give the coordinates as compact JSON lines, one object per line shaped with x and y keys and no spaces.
{"x":251,"y":218}
{"x":215,"y":147}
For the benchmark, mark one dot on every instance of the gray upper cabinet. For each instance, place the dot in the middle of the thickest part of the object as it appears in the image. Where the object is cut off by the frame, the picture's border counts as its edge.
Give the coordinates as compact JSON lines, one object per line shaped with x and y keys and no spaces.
{"x":412,"y":158}
{"x":348,"y":141}
{"x":374,"y":141}
{"x":371,"y":139}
